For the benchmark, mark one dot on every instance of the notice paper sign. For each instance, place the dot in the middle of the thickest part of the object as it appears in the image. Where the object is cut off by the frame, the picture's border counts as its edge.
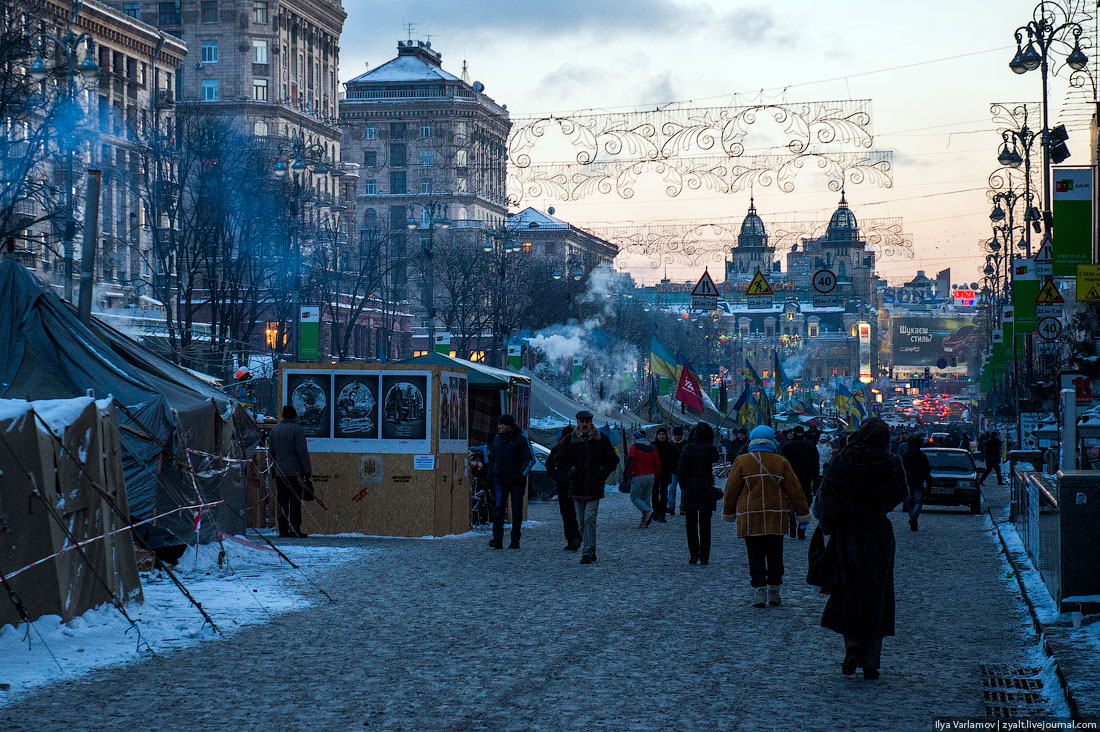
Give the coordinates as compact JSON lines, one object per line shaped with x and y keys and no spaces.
{"x":423,"y":462}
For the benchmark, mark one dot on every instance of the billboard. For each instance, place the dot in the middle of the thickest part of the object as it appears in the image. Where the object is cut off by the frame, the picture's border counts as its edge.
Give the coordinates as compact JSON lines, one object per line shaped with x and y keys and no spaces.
{"x":933,"y":340}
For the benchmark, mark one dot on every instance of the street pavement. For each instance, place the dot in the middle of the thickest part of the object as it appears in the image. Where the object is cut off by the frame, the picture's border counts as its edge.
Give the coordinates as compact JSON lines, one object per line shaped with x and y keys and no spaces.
{"x":449,"y":635}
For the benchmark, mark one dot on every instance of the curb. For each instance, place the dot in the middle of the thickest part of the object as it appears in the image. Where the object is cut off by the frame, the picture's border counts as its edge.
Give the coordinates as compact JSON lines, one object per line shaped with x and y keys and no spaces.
{"x":1074,"y":712}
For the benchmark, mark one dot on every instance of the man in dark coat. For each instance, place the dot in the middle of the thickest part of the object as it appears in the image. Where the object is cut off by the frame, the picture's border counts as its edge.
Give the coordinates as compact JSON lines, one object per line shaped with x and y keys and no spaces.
{"x":918,"y":476}
{"x":697,"y":493}
{"x":991,"y":450}
{"x":587,"y":458}
{"x":509,"y":460}
{"x":669,"y":455}
{"x":806,"y":463}
{"x":565,"y":503}
{"x":286,"y":446}
{"x":862,"y":483}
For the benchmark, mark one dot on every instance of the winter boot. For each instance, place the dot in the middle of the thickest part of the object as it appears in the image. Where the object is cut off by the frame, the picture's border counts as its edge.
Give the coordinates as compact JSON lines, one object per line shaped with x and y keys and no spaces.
{"x":773,"y":595}
{"x":759,"y":597}
{"x":912,"y":524}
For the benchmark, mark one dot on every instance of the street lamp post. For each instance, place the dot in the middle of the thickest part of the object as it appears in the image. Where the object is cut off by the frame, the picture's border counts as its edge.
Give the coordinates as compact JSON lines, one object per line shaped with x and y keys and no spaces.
{"x":501,"y":245}
{"x":1050,"y":28}
{"x":67,"y":45}
{"x":435,"y":215}
{"x":304,"y":157}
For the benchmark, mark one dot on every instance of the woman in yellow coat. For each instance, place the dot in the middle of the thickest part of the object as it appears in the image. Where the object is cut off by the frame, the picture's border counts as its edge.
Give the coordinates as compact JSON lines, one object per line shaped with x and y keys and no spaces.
{"x":760,"y":491}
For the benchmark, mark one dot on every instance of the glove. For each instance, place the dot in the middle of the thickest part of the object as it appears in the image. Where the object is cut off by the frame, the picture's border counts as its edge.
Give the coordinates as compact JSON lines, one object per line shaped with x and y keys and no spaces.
{"x":804,"y":519}
{"x":729,"y":517}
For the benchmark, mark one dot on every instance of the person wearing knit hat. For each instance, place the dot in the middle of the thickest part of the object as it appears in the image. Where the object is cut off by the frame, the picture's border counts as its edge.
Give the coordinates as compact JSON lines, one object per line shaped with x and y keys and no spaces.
{"x":670,"y":456}
{"x":510,"y":459}
{"x":760,"y":489}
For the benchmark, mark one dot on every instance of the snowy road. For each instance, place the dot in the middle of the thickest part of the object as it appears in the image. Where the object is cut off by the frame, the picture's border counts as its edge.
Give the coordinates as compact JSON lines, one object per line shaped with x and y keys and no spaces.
{"x":448,"y":635}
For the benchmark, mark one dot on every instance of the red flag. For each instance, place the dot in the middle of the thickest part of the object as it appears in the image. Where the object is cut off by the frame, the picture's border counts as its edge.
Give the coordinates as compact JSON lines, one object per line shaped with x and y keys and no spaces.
{"x":688,"y":392}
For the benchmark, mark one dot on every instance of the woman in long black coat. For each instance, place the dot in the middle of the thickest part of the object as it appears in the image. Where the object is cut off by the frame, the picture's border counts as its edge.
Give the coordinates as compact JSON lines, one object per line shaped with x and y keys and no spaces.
{"x":862,"y":483}
{"x":695,"y":472}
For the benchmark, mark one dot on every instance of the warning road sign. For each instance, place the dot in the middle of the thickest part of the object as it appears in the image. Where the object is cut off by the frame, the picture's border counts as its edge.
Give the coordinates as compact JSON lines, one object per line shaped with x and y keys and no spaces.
{"x":1044,"y":258}
{"x":759,"y":286}
{"x":705,"y":287}
{"x":1049,"y":295}
{"x":1088,"y":282}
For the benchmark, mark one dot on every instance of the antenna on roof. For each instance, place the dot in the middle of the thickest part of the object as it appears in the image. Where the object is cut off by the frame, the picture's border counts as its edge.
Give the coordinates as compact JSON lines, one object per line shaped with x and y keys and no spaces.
{"x":465,"y":73}
{"x":409,"y":28}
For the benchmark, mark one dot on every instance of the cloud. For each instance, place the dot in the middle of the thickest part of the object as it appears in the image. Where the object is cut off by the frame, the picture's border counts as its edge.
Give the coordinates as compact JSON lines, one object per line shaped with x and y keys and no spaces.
{"x":660,"y":90}
{"x":757,"y":26}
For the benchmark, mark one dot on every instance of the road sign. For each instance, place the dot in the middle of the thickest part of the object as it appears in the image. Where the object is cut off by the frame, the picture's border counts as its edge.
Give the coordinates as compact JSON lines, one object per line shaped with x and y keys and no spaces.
{"x":1088,"y":282}
{"x":1050,"y":328}
{"x":824,"y":281}
{"x":1044,"y":258}
{"x":1049,"y":295}
{"x":705,"y":287}
{"x":759,"y":286}
{"x":826,"y":301}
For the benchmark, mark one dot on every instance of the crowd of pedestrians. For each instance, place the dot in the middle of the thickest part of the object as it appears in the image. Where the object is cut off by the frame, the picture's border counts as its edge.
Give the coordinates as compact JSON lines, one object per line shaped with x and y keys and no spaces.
{"x":775,"y":482}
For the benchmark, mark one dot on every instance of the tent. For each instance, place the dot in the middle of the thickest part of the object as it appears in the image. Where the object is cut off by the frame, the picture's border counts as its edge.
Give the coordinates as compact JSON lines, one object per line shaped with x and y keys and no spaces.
{"x":551,"y":410}
{"x":61,"y":468}
{"x":170,"y":422}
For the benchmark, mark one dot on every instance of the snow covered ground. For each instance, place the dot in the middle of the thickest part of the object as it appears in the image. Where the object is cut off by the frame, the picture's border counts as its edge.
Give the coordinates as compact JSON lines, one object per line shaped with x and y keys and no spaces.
{"x":249,"y":586}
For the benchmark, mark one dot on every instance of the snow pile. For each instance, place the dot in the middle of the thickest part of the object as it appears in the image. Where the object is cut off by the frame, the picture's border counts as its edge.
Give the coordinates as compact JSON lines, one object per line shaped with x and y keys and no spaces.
{"x":247,"y":587}
{"x":549,"y":422}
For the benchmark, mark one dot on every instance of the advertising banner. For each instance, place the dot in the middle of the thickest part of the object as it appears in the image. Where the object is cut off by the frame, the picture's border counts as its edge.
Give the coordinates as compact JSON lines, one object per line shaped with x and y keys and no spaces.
{"x":923,"y":340}
{"x":1072,"y":210}
{"x":309,"y":332}
{"x":1025,"y":286}
{"x":352,"y":410}
{"x":864,"y":331}
{"x":453,"y":413}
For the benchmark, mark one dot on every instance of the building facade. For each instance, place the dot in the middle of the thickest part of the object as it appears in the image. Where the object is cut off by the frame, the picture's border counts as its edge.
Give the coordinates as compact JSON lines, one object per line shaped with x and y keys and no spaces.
{"x":568,"y":247}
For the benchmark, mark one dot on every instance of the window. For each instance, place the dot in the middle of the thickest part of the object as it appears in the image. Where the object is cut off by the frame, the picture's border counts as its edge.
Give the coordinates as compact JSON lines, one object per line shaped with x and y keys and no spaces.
{"x":210,"y":90}
{"x":370,"y":158}
{"x":460,"y":185}
{"x":259,"y":52}
{"x":397,"y":218}
{"x":813,"y":330}
{"x":460,"y":158}
{"x":426,"y":129}
{"x":397,"y":130}
{"x":843,"y":270}
{"x":272,"y":333}
{"x":260,"y":129}
{"x":209,"y":11}
{"x":131,"y":10}
{"x":259,"y":90}
{"x":259,"y":13}
{"x":370,"y":132}
{"x":169,"y":13}
{"x":427,"y":158}
{"x":397,"y":182}
{"x":210,"y":52}
{"x":425,"y":185}
{"x":397,"y":156}
{"x":460,"y":130}
{"x":370,"y":219}
{"x":284,"y":57}
{"x":370,"y":187}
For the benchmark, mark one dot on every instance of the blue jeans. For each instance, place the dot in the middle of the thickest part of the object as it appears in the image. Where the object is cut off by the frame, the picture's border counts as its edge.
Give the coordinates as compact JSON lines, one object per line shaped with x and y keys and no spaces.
{"x":501,"y":493}
{"x":672,"y":493}
{"x":915,"y":501}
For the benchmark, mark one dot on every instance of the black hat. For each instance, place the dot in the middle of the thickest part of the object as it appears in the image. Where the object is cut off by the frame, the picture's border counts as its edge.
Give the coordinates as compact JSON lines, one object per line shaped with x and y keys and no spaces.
{"x":289,"y":412}
{"x":678,"y":430}
{"x":743,"y":431}
{"x":799,"y":431}
{"x":507,"y":419}
{"x":584,"y":414}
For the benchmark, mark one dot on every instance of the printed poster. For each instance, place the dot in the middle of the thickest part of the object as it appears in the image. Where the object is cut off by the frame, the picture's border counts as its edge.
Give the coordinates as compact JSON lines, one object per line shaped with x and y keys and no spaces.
{"x":356,"y":405}
{"x":453,"y":425}
{"x":405,"y":406}
{"x":310,"y":393}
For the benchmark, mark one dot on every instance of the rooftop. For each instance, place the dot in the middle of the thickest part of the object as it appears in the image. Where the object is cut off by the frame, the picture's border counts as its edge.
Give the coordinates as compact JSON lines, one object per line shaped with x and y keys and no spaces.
{"x":413,"y":63}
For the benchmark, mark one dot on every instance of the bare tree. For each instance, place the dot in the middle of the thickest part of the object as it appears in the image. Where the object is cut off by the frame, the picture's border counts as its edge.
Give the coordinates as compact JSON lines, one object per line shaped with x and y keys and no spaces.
{"x":463,"y":280}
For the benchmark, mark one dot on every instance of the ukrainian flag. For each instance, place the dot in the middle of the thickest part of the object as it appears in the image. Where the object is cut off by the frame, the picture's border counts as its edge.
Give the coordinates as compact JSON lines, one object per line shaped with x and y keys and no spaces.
{"x":662,"y":362}
{"x":844,"y":402}
{"x":751,"y":375}
{"x":859,"y":400}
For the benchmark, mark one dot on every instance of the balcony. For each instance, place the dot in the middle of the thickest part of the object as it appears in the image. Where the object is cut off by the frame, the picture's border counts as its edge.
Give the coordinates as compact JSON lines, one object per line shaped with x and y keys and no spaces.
{"x":165,"y":99}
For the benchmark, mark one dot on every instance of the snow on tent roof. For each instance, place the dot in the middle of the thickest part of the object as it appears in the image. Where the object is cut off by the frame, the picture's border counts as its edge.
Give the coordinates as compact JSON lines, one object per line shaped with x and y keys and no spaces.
{"x":405,"y":68}
{"x":478,"y":374}
{"x":47,"y":353}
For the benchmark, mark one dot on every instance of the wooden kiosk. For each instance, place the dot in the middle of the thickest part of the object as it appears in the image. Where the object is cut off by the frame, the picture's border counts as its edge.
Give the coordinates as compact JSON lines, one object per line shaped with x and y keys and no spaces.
{"x":389,"y":446}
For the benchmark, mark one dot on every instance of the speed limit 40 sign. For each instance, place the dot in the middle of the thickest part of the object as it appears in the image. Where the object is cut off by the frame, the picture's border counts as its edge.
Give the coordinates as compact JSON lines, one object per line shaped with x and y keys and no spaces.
{"x":1049,"y":328}
{"x":824,"y":281}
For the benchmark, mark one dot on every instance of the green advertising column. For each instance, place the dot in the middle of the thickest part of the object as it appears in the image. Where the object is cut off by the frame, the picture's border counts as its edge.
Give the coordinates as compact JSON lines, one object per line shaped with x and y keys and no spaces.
{"x":309,"y":332}
{"x":1025,"y":288}
{"x":1072,"y":211}
{"x":578,"y":369}
{"x":443,"y":344}
{"x":515,"y":357}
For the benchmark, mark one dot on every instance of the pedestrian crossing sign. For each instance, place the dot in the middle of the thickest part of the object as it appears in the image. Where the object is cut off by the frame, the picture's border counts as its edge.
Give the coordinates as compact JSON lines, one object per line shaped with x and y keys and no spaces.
{"x":1049,"y":294}
{"x":759,"y":286}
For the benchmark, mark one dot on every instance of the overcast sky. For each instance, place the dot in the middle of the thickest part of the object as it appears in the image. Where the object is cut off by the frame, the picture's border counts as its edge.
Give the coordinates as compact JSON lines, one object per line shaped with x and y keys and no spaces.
{"x":931,"y":70}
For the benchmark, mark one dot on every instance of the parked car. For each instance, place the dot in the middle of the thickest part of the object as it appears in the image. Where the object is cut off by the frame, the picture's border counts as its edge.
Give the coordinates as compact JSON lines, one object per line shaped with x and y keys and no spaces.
{"x":954,"y":479}
{"x":542,"y":488}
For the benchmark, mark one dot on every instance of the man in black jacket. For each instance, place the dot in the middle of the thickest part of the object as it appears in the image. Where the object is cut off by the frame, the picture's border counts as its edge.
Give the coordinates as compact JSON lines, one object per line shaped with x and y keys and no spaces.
{"x":918,"y":476}
{"x":509,"y":460}
{"x":992,"y":452}
{"x":805,"y":461}
{"x":587,"y":457}
{"x":286,"y":446}
{"x":565,"y":503}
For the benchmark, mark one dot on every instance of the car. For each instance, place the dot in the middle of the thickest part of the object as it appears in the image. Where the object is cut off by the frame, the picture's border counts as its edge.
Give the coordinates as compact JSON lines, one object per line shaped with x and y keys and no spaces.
{"x":940,"y":439}
{"x":954,"y":479}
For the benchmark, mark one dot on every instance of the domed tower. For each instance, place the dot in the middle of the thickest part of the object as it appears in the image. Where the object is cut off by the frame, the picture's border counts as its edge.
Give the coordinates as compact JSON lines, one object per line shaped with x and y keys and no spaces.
{"x":845,"y":253}
{"x":843,"y":227}
{"x":752,"y":251}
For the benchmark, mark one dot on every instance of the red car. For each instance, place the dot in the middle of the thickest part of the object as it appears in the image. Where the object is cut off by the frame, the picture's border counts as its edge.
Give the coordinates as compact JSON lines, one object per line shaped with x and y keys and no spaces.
{"x":960,"y":340}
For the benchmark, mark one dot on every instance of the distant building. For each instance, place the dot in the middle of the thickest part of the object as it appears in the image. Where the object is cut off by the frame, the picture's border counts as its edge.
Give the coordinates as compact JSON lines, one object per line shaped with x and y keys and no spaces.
{"x":752,"y":252}
{"x":541,"y":234}
{"x":841,"y":250}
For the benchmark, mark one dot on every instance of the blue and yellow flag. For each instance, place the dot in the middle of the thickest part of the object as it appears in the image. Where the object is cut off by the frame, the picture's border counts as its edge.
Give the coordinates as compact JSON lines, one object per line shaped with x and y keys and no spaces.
{"x":843,"y":402}
{"x":859,"y":400}
{"x":663,"y":363}
{"x":782,"y":383}
{"x":751,"y":375}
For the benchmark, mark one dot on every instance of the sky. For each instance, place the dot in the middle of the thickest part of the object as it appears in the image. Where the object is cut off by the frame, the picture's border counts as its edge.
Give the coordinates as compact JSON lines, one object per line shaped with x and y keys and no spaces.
{"x":931,"y":71}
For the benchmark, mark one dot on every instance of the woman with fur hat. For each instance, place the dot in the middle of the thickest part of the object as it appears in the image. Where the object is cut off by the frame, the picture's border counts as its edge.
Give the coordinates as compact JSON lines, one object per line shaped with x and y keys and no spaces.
{"x":760,"y":490}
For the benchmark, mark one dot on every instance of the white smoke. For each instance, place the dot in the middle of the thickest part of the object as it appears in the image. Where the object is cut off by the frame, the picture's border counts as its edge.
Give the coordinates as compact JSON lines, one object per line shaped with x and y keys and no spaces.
{"x":792,"y":366}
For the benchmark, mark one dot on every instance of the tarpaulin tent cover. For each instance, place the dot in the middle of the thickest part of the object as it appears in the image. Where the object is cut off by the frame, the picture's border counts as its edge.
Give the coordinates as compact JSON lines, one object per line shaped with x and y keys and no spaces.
{"x":47,"y":353}
{"x":60,"y":473}
{"x":551,"y":410}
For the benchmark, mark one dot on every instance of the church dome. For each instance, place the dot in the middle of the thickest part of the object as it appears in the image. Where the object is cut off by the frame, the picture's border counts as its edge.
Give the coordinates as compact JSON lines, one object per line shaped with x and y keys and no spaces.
{"x":843,"y":225}
{"x":752,"y":229}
